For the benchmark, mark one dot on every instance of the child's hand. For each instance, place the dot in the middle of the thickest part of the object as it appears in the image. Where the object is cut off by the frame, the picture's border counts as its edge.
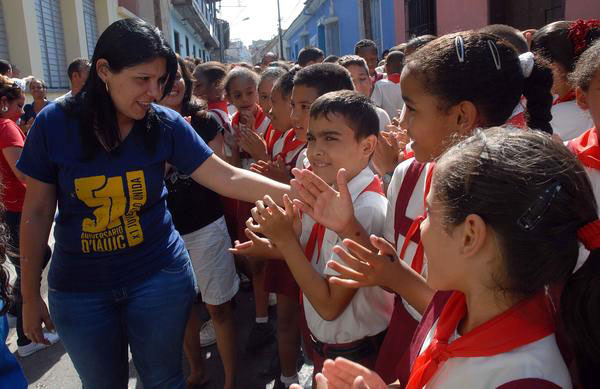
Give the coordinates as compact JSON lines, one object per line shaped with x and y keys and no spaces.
{"x":254,"y":144}
{"x":274,"y":222}
{"x":256,"y":247}
{"x":275,"y":170}
{"x":327,"y":206}
{"x":247,"y":119}
{"x":346,"y":374}
{"x":363,"y":266}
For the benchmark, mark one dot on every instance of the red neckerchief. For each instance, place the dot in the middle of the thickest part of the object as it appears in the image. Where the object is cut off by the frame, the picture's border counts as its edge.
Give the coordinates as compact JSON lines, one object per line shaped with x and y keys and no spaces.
{"x":271,"y":137}
{"x":568,"y":97}
{"x":220,"y":105}
{"x":418,"y":259}
{"x":587,"y":148}
{"x":394,"y":77}
{"x":317,"y":234}
{"x":524,"y":323}
{"x":290,"y":143}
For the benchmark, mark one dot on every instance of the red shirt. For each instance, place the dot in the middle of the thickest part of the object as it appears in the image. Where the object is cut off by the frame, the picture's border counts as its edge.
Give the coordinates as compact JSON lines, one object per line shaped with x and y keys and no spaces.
{"x":13,"y":192}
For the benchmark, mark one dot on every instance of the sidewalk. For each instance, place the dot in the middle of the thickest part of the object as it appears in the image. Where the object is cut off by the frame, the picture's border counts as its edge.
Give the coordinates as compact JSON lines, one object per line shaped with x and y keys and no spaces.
{"x":52,"y":368}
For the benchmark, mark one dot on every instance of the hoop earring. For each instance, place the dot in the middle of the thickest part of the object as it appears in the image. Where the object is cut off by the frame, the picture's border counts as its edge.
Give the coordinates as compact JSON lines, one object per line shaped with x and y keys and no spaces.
{"x":5,"y":109}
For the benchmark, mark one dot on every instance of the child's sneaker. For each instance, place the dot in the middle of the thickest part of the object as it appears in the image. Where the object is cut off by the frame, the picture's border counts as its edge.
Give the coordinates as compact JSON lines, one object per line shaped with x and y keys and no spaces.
{"x":31,"y":348}
{"x":207,"y":334}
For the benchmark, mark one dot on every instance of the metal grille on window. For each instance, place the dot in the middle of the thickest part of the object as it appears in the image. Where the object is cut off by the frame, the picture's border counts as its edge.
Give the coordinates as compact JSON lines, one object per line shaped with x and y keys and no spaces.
{"x":52,"y":43}
{"x":421,"y":17}
{"x":91,"y":25}
{"x":3,"y":37}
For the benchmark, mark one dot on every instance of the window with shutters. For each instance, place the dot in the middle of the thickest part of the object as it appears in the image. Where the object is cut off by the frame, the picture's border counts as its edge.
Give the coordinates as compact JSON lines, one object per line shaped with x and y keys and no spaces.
{"x":176,"y":35}
{"x":91,"y":25}
{"x":52,"y":43}
{"x":421,"y":17}
{"x":187,"y":46}
{"x":3,"y":37}
{"x":332,"y":38}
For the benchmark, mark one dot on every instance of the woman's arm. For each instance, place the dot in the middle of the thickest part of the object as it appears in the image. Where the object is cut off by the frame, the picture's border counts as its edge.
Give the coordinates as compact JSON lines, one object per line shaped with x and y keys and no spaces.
{"x":12,"y":155}
{"x":237,"y":183}
{"x":36,"y":220}
{"x":217,"y":145}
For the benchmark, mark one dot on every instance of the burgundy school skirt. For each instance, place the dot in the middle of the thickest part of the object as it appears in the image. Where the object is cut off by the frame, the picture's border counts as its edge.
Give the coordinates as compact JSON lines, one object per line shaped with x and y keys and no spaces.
{"x":393,"y":361}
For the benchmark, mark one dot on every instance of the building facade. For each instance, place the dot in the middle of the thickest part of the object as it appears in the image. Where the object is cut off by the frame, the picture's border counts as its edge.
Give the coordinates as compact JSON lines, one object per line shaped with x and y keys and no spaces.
{"x":418,"y":17}
{"x":41,"y":37}
{"x":336,"y":25}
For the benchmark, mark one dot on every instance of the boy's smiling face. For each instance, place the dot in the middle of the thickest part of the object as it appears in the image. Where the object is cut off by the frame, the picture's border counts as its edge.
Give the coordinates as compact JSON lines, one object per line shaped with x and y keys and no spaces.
{"x":332,"y":145}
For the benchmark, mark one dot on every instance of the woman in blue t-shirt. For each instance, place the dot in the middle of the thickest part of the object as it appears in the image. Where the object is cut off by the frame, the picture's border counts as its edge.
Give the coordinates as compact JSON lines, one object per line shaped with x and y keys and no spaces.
{"x":120,"y":274}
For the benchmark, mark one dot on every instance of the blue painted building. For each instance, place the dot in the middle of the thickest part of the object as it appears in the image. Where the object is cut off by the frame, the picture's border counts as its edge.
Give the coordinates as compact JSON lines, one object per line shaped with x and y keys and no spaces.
{"x":336,"y":25}
{"x":194,"y":28}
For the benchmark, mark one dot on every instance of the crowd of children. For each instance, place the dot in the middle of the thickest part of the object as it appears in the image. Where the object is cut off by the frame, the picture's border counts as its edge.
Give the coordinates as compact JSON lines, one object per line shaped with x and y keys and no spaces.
{"x":422,"y":235}
{"x":441,"y":227}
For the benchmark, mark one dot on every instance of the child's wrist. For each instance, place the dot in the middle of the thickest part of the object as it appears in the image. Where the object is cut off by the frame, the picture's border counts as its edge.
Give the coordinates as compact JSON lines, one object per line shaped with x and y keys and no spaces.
{"x":351,"y":230}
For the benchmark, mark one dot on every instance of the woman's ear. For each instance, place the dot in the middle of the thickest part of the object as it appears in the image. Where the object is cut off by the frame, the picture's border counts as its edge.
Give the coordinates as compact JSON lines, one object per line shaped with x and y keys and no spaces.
{"x":103,"y":69}
{"x":581,"y":98}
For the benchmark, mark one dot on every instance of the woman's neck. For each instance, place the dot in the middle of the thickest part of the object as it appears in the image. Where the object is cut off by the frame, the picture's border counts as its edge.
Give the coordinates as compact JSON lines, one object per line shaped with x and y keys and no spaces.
{"x":483,"y":304}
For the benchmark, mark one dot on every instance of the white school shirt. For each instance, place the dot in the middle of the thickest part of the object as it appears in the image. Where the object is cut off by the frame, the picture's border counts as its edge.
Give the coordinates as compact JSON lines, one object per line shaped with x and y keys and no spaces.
{"x":388,"y":95}
{"x":280,"y":143}
{"x":594,"y":176}
{"x":540,"y":359}
{"x":225,"y":121}
{"x":415,"y":208}
{"x":370,"y":310}
{"x":302,"y":161}
{"x":569,"y":121}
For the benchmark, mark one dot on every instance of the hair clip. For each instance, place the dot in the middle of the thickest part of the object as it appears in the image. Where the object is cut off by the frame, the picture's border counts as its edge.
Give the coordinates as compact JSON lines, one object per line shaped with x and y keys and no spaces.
{"x":495,"y":54}
{"x":459,"y":45}
{"x":527,"y":61}
{"x":534,"y":214}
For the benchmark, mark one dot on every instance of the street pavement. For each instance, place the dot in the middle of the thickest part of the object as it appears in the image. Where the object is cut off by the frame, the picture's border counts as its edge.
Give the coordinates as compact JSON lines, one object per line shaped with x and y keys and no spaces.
{"x":51,"y":368}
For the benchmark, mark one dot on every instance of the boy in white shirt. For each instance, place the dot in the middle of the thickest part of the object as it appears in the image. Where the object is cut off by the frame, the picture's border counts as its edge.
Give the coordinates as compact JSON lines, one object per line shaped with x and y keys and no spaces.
{"x":340,"y":321}
{"x":387,"y":93}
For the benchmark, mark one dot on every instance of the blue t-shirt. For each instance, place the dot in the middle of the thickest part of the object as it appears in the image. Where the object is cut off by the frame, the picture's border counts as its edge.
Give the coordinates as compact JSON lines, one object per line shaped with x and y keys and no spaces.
{"x":112,"y":227}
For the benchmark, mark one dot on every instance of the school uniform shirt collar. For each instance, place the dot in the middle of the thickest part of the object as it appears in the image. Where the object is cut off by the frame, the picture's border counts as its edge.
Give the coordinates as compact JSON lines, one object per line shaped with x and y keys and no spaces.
{"x":359,"y":183}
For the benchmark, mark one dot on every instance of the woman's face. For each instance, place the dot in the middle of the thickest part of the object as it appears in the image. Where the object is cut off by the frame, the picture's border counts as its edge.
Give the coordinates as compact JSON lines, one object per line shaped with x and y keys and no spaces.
{"x":174,"y":99}
{"x":38,"y":92}
{"x":14,"y":108}
{"x":133,"y":89}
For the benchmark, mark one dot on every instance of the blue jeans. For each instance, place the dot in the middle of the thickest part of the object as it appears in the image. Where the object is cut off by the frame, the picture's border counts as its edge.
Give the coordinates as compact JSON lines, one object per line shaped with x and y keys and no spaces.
{"x":149,"y":316}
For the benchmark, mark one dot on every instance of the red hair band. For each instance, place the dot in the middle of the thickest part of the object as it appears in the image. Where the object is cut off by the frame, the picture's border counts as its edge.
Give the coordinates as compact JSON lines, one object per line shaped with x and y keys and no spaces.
{"x":578,"y":32}
{"x":589,"y":235}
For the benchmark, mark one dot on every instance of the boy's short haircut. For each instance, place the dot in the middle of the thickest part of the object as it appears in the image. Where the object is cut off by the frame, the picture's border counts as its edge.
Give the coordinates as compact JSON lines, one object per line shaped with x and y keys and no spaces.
{"x":212,"y":71}
{"x":364,"y":43}
{"x":331,"y":59}
{"x":509,"y":34}
{"x":279,"y":64}
{"x":324,"y":77}
{"x":357,"y":110}
{"x":77,"y":65}
{"x":348,"y":60}
{"x":395,"y":61}
{"x":310,"y":54}
{"x":285,"y":83}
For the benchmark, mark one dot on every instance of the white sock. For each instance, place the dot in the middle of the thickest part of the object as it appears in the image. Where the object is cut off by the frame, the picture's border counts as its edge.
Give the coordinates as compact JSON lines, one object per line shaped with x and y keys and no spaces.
{"x":262,"y":320}
{"x":287,"y":381}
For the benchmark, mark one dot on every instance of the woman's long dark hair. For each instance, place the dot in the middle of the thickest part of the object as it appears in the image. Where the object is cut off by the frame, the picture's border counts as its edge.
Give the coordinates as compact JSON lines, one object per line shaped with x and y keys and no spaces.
{"x":125,"y":43}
